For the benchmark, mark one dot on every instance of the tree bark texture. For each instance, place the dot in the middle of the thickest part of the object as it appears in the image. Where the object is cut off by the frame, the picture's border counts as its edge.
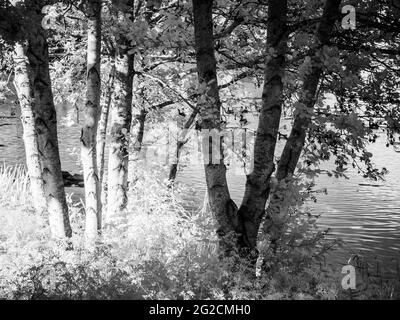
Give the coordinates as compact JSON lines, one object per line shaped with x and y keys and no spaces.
{"x":103,"y":122}
{"x":209,"y":104}
{"x":257,"y":190}
{"x":46,"y":128}
{"x":24,"y":87}
{"x":121,"y":119}
{"x":89,"y":126}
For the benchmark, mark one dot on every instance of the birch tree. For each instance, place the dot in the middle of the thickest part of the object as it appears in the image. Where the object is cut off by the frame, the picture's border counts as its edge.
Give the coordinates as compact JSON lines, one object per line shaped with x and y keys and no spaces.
{"x":24,"y":88}
{"x":121,"y":119}
{"x":46,"y":128}
{"x":90,"y":123}
{"x":102,"y":130}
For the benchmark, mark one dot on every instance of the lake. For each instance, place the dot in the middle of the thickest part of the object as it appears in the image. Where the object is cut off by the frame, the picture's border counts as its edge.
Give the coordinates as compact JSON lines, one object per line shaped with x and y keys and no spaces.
{"x":365,"y":214}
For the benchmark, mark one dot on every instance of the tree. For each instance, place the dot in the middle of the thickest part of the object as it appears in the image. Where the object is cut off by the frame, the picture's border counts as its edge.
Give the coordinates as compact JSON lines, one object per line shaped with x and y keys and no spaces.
{"x":257,"y":189}
{"x":91,"y":118}
{"x":22,"y":27}
{"x":46,"y":127}
{"x":24,"y":88}
{"x":295,"y":143}
{"x":180,"y":144}
{"x":102,"y":129}
{"x":209,"y":105}
{"x":121,"y":118}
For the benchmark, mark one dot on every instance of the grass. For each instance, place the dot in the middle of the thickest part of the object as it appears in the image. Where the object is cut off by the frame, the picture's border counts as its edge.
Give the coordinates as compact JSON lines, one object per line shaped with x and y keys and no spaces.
{"x":158,"y":249}
{"x":14,"y":186}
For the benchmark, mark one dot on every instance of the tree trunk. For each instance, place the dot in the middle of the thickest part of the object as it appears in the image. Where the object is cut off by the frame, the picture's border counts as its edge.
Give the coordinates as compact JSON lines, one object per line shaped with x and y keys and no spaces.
{"x":46,"y":128}
{"x":24,"y":86}
{"x":210,"y":112}
{"x":102,"y":130}
{"x":295,"y":143}
{"x":137,"y":146}
{"x":179,"y":145}
{"x":89,"y":126}
{"x":256,"y":193}
{"x":121,"y":117}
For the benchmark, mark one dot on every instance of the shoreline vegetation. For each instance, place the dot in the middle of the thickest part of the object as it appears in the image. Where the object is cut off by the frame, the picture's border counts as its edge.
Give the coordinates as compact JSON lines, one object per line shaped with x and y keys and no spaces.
{"x":158,"y":250}
{"x":130,"y":68}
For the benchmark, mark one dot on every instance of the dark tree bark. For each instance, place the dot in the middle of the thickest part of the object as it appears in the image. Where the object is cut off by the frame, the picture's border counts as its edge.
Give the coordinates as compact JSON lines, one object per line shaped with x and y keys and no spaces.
{"x":141,"y":118}
{"x":179,"y":145}
{"x":256,"y":193}
{"x":295,"y":143}
{"x":209,"y":105}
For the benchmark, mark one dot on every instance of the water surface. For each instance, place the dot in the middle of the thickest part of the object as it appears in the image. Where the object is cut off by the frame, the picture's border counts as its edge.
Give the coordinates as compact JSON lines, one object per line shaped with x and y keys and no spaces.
{"x":367,"y":217}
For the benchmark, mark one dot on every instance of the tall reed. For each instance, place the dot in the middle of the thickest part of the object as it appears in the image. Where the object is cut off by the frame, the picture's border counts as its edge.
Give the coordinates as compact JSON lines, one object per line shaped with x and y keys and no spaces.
{"x":14,"y":186}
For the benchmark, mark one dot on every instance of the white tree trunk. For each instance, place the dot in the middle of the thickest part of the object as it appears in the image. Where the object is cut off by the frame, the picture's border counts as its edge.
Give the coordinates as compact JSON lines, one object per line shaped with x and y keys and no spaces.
{"x":46,"y":128}
{"x":102,"y":132}
{"x":24,"y":88}
{"x":89,"y":127}
{"x":121,"y":118}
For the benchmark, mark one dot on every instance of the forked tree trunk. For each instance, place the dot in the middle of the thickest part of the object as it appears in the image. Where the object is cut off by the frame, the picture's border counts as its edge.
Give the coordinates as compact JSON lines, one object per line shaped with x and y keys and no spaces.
{"x":295,"y":143}
{"x":24,"y":86}
{"x":209,"y":106}
{"x":121,"y":118}
{"x":90,"y":123}
{"x":46,"y":128}
{"x":256,"y":193}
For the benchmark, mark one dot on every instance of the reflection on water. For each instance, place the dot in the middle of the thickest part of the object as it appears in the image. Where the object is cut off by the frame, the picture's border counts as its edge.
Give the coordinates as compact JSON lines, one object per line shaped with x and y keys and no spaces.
{"x":366,"y":217}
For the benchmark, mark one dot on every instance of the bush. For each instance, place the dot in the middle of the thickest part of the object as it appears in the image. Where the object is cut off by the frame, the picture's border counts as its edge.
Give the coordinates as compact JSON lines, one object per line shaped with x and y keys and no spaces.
{"x":157,"y":249}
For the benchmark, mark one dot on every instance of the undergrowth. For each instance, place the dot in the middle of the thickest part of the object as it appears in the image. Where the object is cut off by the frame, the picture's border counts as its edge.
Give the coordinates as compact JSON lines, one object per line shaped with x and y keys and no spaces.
{"x":158,"y":249}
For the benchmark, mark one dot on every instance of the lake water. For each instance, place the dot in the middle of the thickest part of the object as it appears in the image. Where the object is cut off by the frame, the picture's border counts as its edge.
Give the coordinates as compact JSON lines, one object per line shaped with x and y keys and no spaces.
{"x":366,"y":217}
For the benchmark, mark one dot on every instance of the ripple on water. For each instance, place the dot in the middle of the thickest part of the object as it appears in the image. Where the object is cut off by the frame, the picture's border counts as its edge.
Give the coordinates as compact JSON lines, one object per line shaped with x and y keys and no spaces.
{"x":366,"y":217}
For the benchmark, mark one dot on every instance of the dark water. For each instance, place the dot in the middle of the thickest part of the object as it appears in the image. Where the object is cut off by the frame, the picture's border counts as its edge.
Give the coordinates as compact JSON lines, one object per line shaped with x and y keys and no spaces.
{"x":367,"y":217}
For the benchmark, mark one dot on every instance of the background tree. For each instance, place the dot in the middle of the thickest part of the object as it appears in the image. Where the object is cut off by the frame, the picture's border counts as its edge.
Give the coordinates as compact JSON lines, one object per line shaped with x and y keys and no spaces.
{"x":121,"y":114}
